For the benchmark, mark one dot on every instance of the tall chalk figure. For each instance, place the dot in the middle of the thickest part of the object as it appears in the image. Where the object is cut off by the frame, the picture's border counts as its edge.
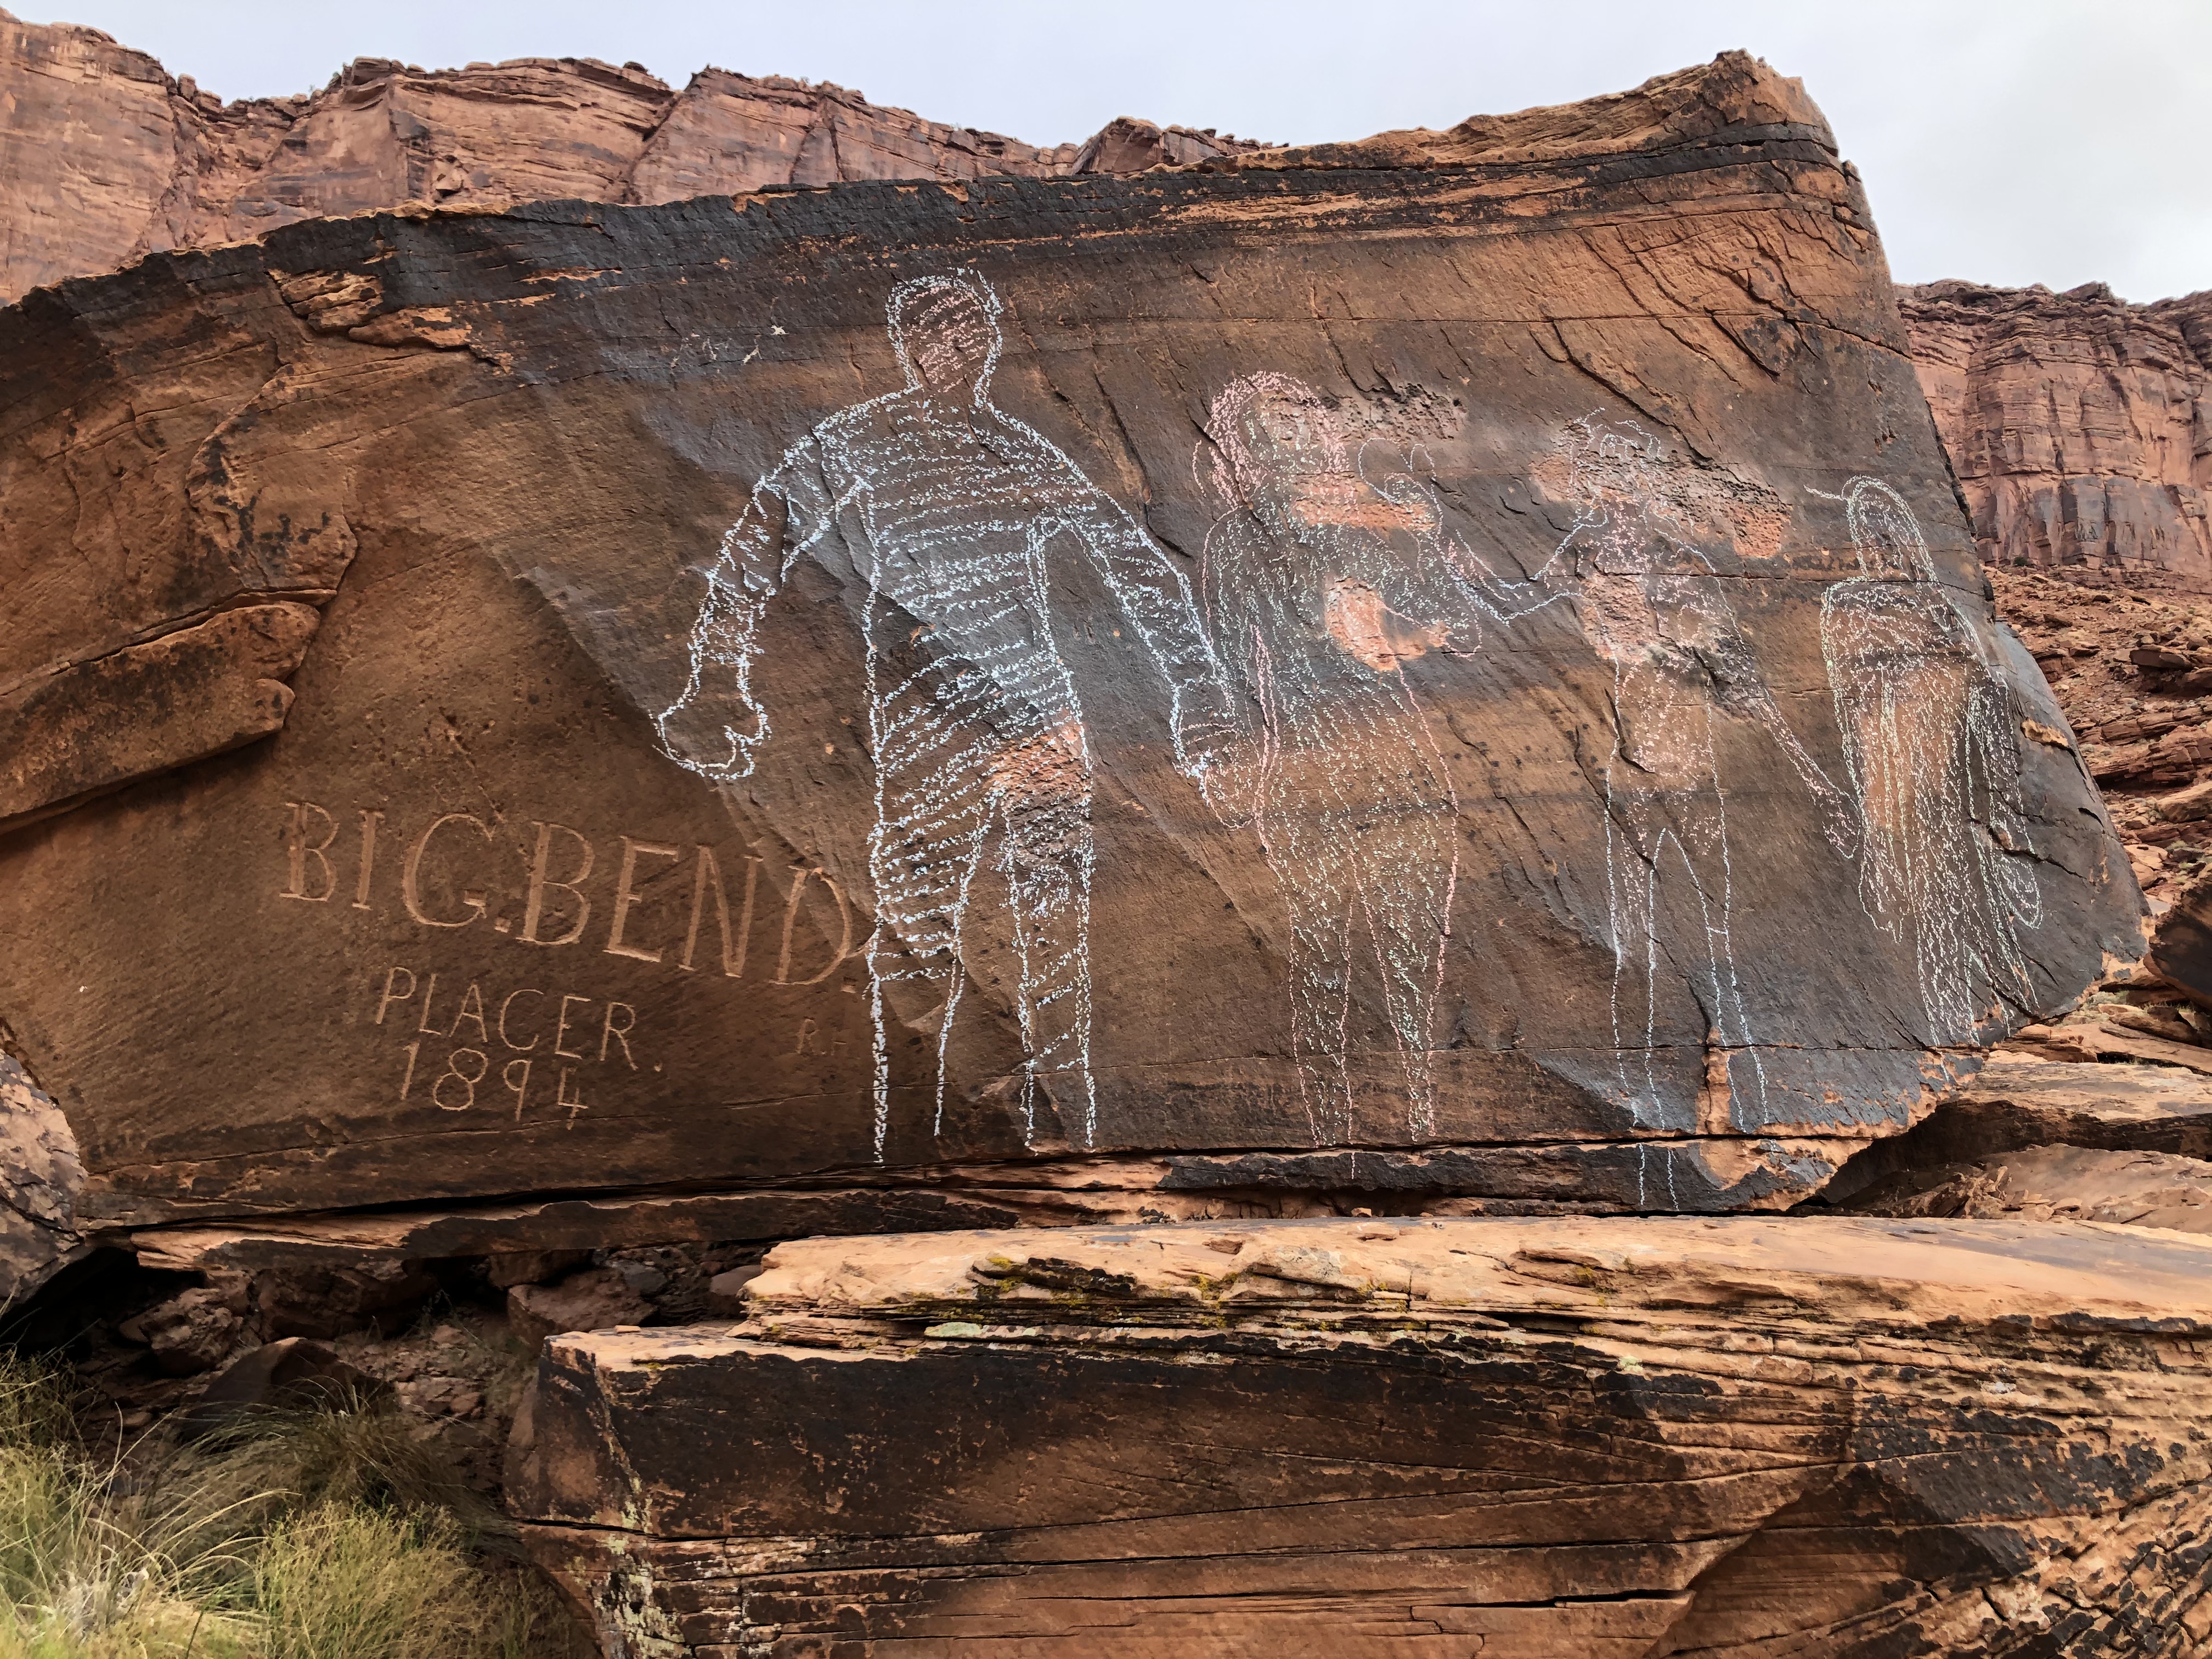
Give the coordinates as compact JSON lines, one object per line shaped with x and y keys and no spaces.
{"x":1932,"y":735}
{"x":947,"y":506}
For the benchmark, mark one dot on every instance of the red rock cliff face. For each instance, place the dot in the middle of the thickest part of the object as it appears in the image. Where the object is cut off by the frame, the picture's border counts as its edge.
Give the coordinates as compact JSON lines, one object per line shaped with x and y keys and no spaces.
{"x":2079,"y":425}
{"x":105,"y":157}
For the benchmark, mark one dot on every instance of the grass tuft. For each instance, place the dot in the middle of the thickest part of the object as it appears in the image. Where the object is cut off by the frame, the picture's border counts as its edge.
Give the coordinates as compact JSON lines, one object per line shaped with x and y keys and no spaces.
{"x":298,"y":1535}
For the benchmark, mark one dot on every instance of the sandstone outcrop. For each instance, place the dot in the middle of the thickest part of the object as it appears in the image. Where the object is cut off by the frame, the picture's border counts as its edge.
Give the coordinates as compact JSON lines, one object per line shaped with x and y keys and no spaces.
{"x":2078,"y":425}
{"x":105,"y":157}
{"x":725,"y":665}
{"x":2127,"y":653}
{"x":831,"y":688}
{"x":2016,"y":1106}
{"x":2064,"y":1183}
{"x":1511,"y":1436}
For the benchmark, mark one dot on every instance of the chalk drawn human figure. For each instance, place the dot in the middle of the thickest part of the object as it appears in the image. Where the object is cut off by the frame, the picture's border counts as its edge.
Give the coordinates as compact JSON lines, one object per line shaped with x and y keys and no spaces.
{"x":1319,"y":585}
{"x":1653,"y":607}
{"x":946,"y":505}
{"x":1931,"y":733}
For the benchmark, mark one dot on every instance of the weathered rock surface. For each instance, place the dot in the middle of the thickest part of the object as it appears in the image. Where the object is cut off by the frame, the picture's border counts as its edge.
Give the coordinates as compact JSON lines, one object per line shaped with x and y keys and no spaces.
{"x":2127,"y":653}
{"x":2078,"y":424}
{"x":2064,"y":1183}
{"x":596,"y":1299}
{"x":1383,"y":753}
{"x":1538,"y":1437}
{"x":105,"y":157}
{"x":2010,"y":1108}
{"x":198,"y":690}
{"x":41,"y":1176}
{"x":190,"y":1333}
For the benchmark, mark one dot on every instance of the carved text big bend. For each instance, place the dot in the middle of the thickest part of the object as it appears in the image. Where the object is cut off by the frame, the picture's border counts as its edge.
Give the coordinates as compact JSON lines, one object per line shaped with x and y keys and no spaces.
{"x":551,"y":885}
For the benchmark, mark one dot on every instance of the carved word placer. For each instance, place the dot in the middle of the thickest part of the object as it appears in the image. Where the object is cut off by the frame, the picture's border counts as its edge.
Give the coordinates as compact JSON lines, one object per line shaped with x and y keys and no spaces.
{"x":539,"y":1029}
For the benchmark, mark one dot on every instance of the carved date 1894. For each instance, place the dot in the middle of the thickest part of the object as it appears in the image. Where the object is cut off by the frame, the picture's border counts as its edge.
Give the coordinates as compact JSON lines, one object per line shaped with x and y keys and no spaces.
{"x":536,"y":1028}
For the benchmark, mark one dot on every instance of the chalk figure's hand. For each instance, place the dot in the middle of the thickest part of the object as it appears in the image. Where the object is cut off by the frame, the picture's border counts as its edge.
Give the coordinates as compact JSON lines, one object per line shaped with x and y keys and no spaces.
{"x":696,"y":733}
{"x":1416,"y":505}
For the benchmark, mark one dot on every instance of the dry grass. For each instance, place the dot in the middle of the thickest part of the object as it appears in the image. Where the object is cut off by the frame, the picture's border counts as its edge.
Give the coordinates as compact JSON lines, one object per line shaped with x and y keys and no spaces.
{"x":302,"y":1536}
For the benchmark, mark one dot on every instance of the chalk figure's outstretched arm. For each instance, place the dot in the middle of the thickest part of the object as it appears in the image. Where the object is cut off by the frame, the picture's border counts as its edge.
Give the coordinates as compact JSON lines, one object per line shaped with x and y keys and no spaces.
{"x":1740,"y":689}
{"x":1156,"y":596}
{"x":715,"y":727}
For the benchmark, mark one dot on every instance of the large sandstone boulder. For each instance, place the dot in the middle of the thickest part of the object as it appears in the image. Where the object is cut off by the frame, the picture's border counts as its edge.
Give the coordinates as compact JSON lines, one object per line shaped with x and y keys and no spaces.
{"x":1534,"y":1438}
{"x":1445,"y":672}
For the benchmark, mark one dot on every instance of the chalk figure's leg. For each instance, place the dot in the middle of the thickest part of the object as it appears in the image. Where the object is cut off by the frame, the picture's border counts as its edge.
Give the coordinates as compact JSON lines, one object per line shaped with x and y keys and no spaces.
{"x":1048,"y":856}
{"x":932,"y":816}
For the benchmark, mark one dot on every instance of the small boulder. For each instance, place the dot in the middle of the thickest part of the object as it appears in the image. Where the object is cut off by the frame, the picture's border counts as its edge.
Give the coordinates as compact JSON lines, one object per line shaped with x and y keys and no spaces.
{"x":597,"y":1299}
{"x":292,"y":1372}
{"x":642,"y":1277}
{"x":2158,"y":659}
{"x":726,"y":1292}
{"x":189,"y":1333}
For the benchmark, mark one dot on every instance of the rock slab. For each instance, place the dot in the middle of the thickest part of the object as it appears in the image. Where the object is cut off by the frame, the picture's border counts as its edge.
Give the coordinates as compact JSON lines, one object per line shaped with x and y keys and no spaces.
{"x":832,"y":686}
{"x":1505,"y":1436}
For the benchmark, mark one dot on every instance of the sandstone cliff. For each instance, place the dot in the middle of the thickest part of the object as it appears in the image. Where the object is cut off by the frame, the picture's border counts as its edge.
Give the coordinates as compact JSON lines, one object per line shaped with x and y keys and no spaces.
{"x":104,"y":156}
{"x":2079,"y":430}
{"x":545,"y":749}
{"x":2080,"y":426}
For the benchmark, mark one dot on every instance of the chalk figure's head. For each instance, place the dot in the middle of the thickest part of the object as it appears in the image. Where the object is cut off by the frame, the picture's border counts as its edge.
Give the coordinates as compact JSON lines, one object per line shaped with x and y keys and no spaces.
{"x":1617,"y":471}
{"x":946,"y":330}
{"x":1280,"y":448}
{"x":1885,"y":534}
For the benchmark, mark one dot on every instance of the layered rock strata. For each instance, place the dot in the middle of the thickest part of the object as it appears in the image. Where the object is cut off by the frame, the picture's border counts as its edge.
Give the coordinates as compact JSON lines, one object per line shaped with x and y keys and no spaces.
{"x":1595,"y":1437}
{"x":2078,"y":425}
{"x":105,"y":157}
{"x":2058,"y":1183}
{"x":2012,"y":1107}
{"x":827,"y":688}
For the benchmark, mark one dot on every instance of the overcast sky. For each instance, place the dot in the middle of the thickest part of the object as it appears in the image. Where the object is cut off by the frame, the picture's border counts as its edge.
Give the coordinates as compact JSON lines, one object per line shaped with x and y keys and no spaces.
{"x":2035,"y":141}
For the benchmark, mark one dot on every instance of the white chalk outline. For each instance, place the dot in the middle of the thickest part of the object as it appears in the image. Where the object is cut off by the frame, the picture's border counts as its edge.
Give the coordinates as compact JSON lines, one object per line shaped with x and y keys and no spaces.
{"x":1651,"y":604}
{"x":1931,"y":733}
{"x":946,"y":505}
{"x":1320,"y":583}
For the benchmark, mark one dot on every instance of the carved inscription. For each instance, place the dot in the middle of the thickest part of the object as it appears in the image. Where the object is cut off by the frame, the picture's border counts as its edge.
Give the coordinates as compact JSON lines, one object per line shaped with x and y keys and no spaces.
{"x":684,"y":908}
{"x":539,"y":1038}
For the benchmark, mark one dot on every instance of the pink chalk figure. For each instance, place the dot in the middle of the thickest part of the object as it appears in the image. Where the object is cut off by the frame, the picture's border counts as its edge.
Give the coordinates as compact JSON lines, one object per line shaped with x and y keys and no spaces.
{"x":1319,"y":585}
{"x":1652,"y":606}
{"x":946,"y":507}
